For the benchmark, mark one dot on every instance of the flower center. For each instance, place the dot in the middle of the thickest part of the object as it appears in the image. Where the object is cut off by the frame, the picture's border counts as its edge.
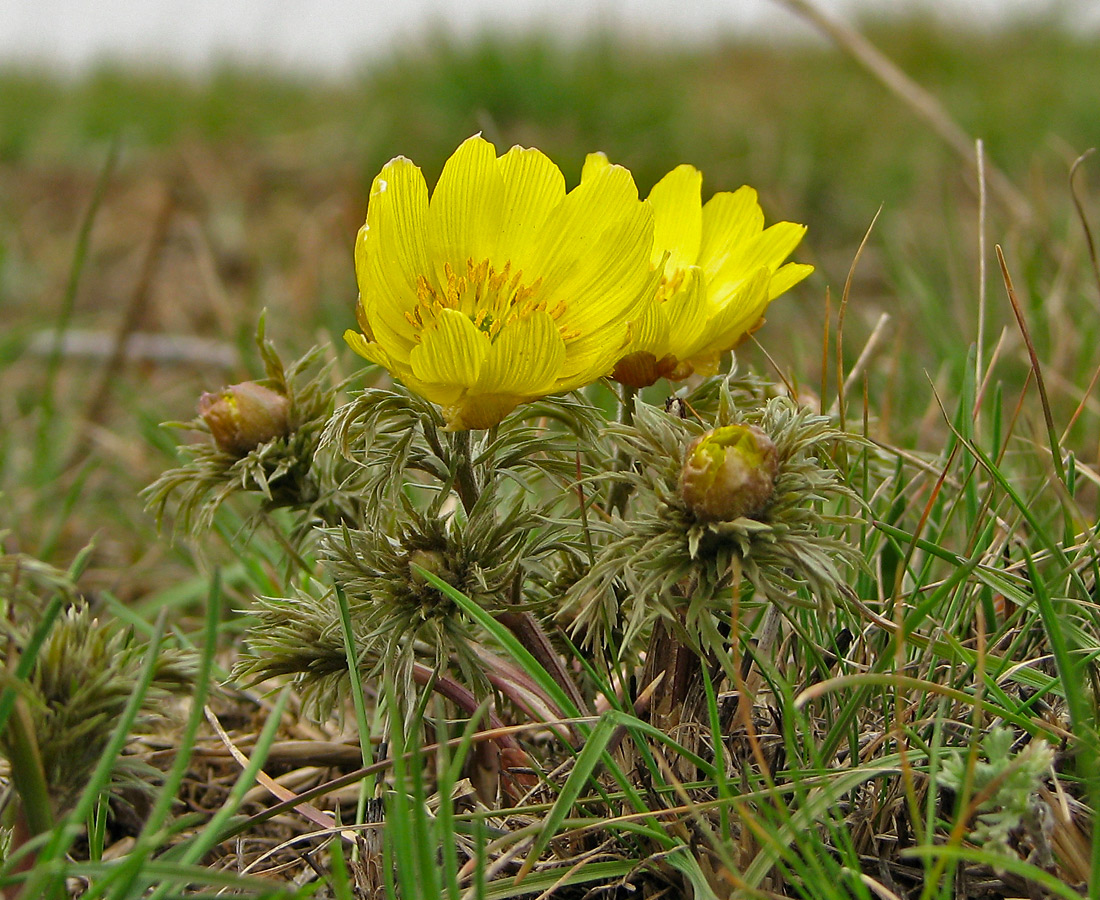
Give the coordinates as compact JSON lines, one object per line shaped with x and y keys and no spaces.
{"x":670,"y":285}
{"x":492,"y":299}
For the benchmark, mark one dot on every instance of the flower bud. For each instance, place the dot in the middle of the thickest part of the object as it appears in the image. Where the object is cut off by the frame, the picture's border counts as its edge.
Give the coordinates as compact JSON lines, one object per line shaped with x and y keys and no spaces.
{"x":243,"y":416}
{"x":430,"y":561}
{"x":729,"y":472}
{"x":641,"y":369}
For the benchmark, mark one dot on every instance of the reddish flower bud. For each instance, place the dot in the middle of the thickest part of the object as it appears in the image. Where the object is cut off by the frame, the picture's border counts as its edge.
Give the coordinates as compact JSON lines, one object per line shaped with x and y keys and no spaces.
{"x":729,"y":472}
{"x":639,"y":370}
{"x":243,"y":416}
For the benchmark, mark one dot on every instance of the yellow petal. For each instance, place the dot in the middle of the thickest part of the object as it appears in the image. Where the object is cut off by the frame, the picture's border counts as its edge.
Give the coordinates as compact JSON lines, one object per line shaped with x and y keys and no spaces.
{"x":451,"y":351}
{"x":369,"y":350}
{"x":767,"y":250}
{"x":595,"y":251}
{"x":593,"y":354}
{"x":786,"y":277}
{"x":594,"y":164}
{"x":650,"y":331}
{"x":437,"y":393}
{"x":705,"y":364}
{"x":382,"y":316}
{"x":479,"y":410}
{"x":688,"y":312}
{"x":729,"y":220}
{"x":390,"y":252}
{"x":678,"y":216}
{"x":394,"y":230}
{"x":525,"y":358}
{"x":739,"y":313}
{"x":533,"y":187}
{"x":773,"y":246}
{"x":464,"y":214}
{"x":446,"y":395}
{"x":638,"y":363}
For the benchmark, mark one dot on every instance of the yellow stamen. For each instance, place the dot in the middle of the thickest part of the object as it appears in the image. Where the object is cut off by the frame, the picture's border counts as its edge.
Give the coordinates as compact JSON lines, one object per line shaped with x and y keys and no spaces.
{"x":491,"y":298}
{"x":670,"y":285}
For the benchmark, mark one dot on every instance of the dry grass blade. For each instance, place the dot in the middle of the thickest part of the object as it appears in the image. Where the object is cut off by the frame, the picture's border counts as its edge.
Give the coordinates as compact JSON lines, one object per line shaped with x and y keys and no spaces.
{"x":842,"y":383}
{"x":1084,"y":219}
{"x":867,"y":353}
{"x":1055,"y":451}
{"x":979,"y":156}
{"x":314,"y":815}
{"x":918,"y":99}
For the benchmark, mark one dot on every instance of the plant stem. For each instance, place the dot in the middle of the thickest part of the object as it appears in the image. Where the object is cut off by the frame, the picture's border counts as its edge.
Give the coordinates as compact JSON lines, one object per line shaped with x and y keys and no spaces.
{"x":465,"y":481}
{"x":28,"y":776}
{"x":670,"y":656}
{"x":523,"y":625}
{"x":620,"y":490}
{"x":627,"y":402}
{"x":461,"y":697}
{"x":535,"y":641}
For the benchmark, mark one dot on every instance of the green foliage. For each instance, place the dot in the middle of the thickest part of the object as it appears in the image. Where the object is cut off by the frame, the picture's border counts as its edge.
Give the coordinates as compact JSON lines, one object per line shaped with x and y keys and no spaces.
{"x":82,"y":678}
{"x":69,"y":681}
{"x":1007,"y":786}
{"x":659,"y":562}
{"x":397,"y":441}
{"x":281,"y":471}
{"x":300,"y":637}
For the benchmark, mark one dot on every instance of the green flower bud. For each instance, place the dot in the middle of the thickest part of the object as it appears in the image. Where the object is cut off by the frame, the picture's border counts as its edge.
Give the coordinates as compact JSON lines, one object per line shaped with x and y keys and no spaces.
{"x":243,"y":416}
{"x":729,"y":472}
{"x":430,"y":561}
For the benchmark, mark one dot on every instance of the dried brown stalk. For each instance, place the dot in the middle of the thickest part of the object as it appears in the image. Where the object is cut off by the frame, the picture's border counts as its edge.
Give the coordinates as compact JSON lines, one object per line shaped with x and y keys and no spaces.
{"x":921,"y":101}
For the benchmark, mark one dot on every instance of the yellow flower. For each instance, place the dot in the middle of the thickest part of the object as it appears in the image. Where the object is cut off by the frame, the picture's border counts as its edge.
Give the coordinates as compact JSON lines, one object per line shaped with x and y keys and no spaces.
{"x":722,"y":270}
{"x":503,"y":287}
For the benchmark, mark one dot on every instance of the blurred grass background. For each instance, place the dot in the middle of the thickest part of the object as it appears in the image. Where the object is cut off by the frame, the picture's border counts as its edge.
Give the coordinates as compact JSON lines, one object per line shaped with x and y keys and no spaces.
{"x":243,"y":190}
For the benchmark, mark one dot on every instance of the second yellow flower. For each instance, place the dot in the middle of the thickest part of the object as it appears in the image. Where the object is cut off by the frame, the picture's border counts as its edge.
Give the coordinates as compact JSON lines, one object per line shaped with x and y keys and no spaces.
{"x":720,"y":268}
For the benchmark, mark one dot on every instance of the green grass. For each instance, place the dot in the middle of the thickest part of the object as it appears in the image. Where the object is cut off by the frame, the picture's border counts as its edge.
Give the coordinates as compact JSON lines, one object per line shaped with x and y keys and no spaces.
{"x":974,"y":518}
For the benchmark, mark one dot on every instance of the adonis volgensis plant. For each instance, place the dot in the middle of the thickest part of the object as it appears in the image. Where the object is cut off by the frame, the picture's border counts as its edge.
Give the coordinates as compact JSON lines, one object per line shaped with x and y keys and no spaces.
{"x":484,"y":492}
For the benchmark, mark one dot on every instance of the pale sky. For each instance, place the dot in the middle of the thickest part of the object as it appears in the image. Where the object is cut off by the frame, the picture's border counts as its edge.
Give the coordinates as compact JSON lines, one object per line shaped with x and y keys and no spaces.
{"x":332,"y":35}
